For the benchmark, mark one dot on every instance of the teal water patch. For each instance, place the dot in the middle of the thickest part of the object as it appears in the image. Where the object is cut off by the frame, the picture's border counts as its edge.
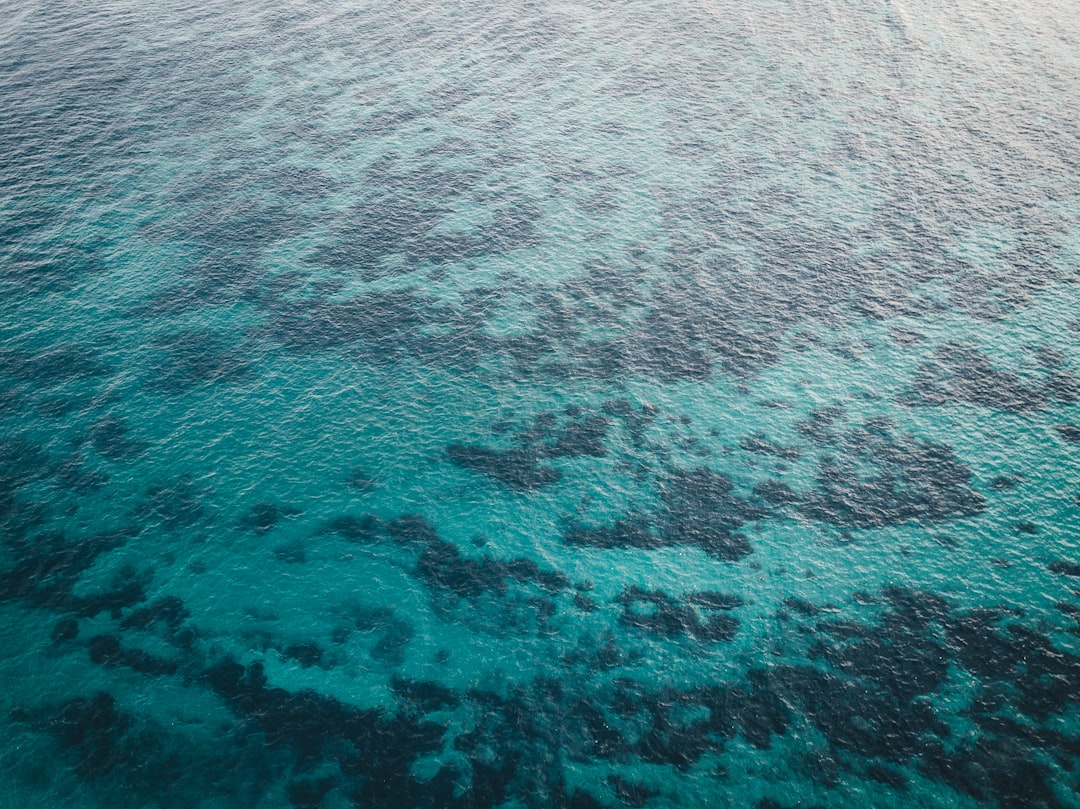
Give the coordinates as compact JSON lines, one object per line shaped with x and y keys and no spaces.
{"x":547,"y":406}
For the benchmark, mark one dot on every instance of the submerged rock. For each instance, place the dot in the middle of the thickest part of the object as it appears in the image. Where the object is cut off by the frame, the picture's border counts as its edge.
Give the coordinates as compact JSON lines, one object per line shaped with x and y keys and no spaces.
{"x":961,"y":372}
{"x":1064,"y":568}
{"x":355,"y":528}
{"x":516,"y":468}
{"x":1069,"y":432}
{"x":887,"y":479}
{"x":655,"y":611}
{"x":264,"y":516}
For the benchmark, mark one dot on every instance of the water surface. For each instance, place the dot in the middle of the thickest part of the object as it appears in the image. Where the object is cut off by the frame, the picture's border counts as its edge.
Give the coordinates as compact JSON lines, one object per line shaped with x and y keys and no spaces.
{"x":539,"y":405}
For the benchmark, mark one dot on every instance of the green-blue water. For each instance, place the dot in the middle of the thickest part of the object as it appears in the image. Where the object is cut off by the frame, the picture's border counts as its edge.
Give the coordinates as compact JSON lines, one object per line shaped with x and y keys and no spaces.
{"x":537,"y":404}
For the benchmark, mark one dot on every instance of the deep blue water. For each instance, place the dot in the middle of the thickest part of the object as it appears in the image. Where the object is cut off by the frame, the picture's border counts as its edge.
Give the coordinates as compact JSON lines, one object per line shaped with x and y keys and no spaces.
{"x":525,"y":404}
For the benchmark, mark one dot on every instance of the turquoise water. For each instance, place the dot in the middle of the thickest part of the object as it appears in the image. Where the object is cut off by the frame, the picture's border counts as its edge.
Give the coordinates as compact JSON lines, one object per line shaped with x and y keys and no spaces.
{"x":539,"y":405}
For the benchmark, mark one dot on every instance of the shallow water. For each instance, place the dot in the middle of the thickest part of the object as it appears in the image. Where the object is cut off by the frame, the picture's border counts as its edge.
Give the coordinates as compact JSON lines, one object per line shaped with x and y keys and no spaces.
{"x":548,"y":405}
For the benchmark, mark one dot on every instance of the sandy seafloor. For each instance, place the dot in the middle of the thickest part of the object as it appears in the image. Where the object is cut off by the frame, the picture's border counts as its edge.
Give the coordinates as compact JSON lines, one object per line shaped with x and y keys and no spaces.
{"x":538,"y":404}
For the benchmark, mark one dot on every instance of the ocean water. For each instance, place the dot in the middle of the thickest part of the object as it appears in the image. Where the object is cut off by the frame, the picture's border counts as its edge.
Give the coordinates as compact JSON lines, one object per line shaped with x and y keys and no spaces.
{"x":538,"y":404}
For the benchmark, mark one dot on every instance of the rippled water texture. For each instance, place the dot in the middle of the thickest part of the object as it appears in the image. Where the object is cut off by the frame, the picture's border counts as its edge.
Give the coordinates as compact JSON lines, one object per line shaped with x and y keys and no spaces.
{"x":641,"y":404}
